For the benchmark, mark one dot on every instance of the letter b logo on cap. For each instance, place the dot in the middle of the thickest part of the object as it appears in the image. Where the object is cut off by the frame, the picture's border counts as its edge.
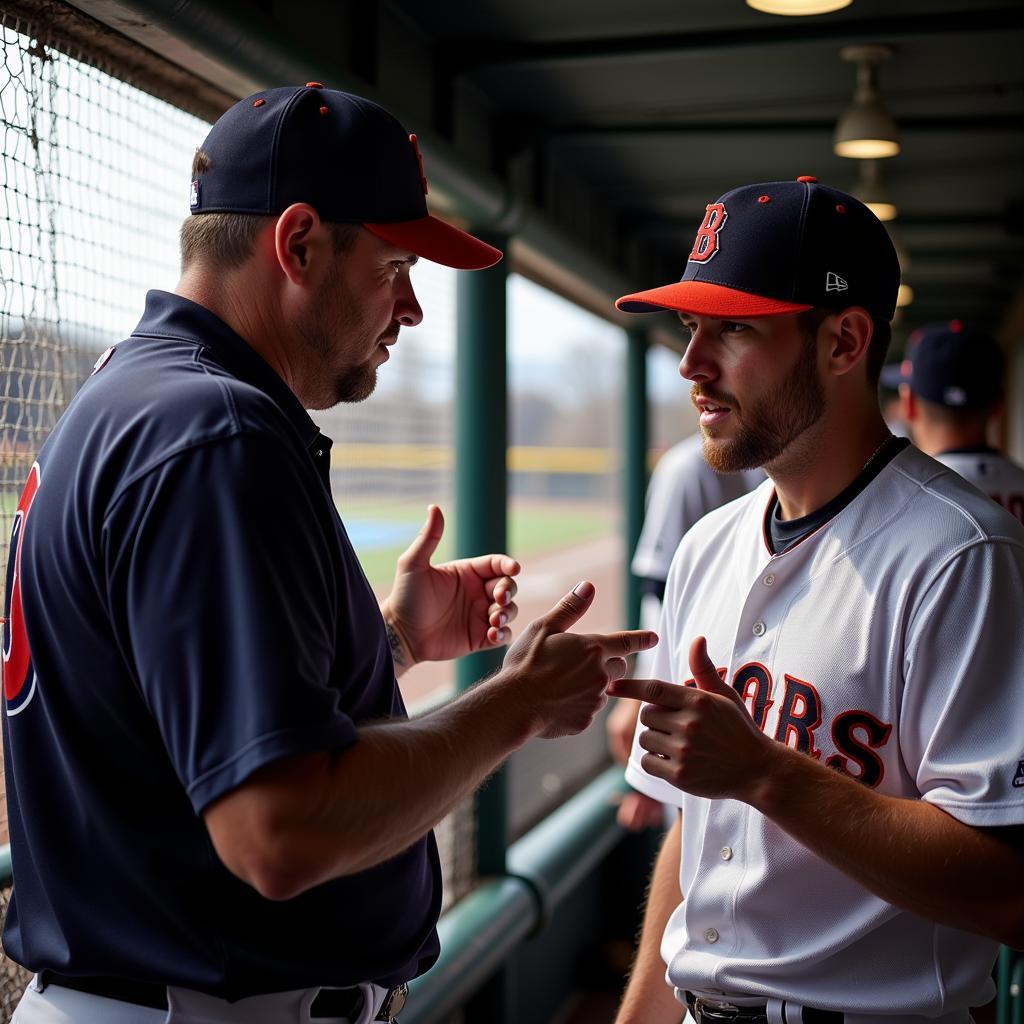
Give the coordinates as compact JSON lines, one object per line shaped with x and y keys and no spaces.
{"x":705,"y":245}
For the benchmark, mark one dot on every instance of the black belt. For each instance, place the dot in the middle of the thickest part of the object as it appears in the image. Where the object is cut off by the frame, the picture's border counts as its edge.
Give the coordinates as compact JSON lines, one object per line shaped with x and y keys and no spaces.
{"x":711,"y":1011}
{"x":329,"y":1002}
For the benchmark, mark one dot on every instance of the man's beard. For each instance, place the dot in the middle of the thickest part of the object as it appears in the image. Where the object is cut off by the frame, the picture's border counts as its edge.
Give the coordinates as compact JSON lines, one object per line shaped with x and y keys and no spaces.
{"x":773,"y":421}
{"x":327,"y":336}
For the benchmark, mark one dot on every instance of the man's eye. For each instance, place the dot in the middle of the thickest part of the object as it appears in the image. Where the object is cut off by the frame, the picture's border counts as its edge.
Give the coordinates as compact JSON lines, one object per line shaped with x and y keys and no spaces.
{"x":732,"y":327}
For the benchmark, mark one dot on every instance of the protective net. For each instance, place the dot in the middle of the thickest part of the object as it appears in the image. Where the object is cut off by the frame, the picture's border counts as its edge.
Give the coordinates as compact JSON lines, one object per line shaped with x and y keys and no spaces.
{"x":93,"y":187}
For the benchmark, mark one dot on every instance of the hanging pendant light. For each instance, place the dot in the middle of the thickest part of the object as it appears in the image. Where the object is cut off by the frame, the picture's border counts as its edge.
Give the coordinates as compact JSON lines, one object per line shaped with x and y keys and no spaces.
{"x":872,"y":191}
{"x":905,"y":296}
{"x":866,"y":130}
{"x":798,"y":8}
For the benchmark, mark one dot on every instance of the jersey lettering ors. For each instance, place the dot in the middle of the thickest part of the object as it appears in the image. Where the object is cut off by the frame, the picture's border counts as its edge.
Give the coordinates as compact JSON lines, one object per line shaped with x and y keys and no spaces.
{"x":705,"y":245}
{"x":19,"y":676}
{"x":856,"y":734}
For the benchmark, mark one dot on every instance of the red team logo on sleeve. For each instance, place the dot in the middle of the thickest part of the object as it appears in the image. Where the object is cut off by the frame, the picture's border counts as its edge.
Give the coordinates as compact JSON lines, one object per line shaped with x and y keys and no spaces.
{"x":705,"y":245}
{"x":19,"y":676}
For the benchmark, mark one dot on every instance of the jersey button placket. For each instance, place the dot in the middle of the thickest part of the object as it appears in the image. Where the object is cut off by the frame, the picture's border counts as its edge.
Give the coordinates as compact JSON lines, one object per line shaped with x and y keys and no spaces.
{"x":711,"y":935}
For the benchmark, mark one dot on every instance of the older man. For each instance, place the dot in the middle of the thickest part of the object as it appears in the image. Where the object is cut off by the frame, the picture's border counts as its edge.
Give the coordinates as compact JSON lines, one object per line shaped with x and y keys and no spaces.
{"x":219,"y":810}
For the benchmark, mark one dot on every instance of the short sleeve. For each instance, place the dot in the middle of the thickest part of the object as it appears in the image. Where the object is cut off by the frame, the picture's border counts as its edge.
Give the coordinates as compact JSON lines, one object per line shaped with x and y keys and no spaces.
{"x":224,"y":602}
{"x":962,"y":733}
{"x":660,"y":668}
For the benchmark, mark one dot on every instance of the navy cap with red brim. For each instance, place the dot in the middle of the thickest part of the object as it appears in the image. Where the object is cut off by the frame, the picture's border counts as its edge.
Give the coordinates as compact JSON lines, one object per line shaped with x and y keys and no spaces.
{"x":438,"y":241}
{"x":344,"y":155}
{"x":705,"y":299}
{"x":782,"y":247}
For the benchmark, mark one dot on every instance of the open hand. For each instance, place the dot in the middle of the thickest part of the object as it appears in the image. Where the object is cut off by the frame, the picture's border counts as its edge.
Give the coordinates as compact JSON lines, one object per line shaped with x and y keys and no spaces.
{"x":445,"y":611}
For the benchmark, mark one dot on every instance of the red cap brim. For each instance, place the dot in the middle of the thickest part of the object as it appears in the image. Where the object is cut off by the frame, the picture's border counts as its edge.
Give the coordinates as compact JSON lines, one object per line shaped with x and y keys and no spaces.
{"x":705,"y":299}
{"x":438,"y":241}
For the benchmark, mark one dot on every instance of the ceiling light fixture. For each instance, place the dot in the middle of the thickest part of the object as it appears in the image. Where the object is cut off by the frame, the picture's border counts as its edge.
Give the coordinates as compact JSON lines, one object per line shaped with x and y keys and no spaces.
{"x":866,"y":130}
{"x":905,"y":296}
{"x":872,"y":191}
{"x":798,"y":8}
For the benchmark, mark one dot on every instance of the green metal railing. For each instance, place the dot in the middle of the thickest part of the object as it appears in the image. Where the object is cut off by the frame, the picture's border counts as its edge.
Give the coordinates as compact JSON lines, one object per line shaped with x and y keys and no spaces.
{"x":480,"y":932}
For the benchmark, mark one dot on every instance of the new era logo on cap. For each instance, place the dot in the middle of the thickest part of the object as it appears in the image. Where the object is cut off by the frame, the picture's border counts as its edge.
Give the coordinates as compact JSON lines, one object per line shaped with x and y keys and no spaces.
{"x":834,"y":283}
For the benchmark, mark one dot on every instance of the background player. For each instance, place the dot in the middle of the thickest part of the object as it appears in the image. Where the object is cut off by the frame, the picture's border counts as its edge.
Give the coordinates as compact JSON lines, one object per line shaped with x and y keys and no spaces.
{"x":951,"y":395}
{"x":845,"y":756}
{"x":683,"y":488}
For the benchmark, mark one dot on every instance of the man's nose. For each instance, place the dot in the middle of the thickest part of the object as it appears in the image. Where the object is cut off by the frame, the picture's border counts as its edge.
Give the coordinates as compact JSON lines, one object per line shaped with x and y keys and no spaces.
{"x":408,"y":312}
{"x":696,"y":364}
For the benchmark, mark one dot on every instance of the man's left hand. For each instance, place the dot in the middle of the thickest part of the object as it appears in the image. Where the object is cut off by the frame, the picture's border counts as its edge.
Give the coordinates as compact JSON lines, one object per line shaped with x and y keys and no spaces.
{"x":439,"y":612}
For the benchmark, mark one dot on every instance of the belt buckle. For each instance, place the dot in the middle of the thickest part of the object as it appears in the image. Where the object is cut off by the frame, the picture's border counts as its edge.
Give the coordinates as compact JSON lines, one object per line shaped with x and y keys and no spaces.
{"x":715,"y":1010}
{"x":393,"y":1003}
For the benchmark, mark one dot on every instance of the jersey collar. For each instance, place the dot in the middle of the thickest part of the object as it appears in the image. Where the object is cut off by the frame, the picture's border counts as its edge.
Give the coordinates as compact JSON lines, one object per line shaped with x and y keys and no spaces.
{"x":168,"y":315}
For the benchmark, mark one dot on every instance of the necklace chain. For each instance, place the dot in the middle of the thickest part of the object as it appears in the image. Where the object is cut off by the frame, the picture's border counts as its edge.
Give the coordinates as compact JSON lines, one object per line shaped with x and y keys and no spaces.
{"x":874,"y":454}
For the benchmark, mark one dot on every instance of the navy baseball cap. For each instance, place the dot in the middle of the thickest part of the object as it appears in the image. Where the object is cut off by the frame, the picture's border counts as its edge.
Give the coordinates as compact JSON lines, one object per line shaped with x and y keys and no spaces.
{"x":782,"y":247}
{"x":344,"y":155}
{"x":952,"y":365}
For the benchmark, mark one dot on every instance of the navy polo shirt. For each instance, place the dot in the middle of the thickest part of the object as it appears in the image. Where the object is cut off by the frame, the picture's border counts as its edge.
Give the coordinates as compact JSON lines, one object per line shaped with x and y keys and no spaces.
{"x":185,"y":606}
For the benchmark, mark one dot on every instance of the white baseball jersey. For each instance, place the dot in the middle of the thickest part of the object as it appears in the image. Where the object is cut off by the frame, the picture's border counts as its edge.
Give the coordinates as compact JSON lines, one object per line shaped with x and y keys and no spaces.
{"x":683,"y":489}
{"x":886,"y":645}
{"x":993,"y":474}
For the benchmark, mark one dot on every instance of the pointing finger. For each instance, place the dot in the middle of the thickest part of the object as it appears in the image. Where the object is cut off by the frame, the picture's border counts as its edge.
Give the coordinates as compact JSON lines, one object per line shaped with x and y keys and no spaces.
{"x":627,"y":641}
{"x":652,"y":691}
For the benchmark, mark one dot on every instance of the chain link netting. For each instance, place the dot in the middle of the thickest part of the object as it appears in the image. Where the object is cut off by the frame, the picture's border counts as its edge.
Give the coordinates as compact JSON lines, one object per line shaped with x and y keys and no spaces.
{"x":91,"y":170}
{"x":94,"y":185}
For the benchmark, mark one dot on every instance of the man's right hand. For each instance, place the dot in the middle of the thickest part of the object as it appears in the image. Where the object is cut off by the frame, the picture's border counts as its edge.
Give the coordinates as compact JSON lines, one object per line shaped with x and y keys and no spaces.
{"x":561,"y":677}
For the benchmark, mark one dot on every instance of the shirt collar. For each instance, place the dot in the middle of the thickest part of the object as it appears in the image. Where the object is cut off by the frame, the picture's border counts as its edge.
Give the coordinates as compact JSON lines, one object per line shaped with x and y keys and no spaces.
{"x":169,"y":315}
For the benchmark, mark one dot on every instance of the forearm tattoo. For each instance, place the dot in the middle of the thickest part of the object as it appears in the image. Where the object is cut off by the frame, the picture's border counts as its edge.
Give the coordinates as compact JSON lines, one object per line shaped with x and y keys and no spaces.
{"x":397,"y":650}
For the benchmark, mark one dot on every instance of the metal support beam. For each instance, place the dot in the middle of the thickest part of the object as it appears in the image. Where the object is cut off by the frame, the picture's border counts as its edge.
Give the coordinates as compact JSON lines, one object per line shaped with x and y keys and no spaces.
{"x":565,"y":134}
{"x":481,"y":489}
{"x":634,"y":453}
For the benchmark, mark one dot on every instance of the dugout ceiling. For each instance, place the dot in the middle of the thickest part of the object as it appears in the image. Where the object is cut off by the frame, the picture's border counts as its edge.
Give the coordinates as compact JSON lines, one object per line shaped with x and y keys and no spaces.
{"x":597,"y":130}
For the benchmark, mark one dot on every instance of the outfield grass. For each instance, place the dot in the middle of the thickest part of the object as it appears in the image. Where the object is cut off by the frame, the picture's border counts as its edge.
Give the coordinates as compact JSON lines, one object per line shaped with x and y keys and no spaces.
{"x":534,"y":529}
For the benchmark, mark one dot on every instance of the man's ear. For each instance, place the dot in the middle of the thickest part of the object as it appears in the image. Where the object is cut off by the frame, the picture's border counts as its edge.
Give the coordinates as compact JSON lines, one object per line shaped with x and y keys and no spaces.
{"x":850,"y":339}
{"x":298,"y":236}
